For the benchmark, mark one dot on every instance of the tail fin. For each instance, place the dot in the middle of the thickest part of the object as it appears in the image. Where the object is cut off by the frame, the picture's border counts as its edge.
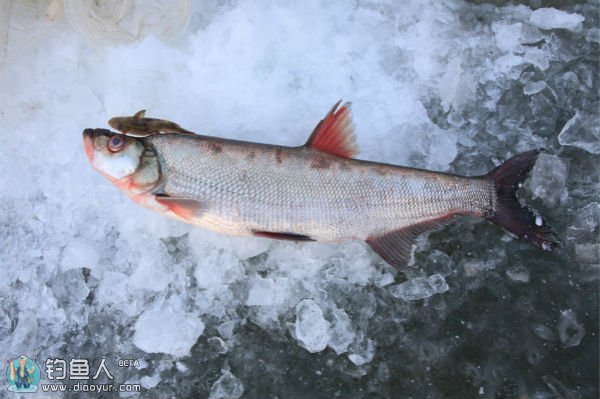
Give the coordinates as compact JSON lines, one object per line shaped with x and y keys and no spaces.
{"x":509,"y":214}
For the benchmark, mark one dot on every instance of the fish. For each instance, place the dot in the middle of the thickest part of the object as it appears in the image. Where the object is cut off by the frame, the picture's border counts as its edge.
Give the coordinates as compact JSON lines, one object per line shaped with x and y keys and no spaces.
{"x":140,"y":126}
{"x":317,"y":191}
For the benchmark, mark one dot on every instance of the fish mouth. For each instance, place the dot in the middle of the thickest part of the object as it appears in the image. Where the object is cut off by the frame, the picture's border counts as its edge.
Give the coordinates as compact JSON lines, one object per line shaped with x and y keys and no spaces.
{"x":89,"y":136}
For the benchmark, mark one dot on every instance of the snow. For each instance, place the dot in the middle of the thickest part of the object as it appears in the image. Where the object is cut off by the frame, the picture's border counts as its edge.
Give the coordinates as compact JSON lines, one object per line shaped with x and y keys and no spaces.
{"x":450,"y":86}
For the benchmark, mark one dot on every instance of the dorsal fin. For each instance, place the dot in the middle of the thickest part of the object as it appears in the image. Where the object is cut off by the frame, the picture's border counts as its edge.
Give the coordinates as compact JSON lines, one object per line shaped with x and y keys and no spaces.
{"x":335,"y":133}
{"x":140,"y":114}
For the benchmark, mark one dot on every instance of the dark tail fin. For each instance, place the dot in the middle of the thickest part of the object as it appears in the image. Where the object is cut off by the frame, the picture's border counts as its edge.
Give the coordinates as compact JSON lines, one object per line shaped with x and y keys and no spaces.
{"x":509,"y":214}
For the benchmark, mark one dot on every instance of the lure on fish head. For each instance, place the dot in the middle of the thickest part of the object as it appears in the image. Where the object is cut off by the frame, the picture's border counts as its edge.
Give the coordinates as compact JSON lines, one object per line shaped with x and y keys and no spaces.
{"x":140,"y":126}
{"x":126,"y":161}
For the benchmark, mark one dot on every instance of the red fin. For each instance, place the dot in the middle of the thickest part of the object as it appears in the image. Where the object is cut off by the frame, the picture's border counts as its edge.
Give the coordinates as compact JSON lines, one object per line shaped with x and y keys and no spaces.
{"x":185,"y":208}
{"x":281,"y":236}
{"x":335,"y":133}
{"x":395,"y":247}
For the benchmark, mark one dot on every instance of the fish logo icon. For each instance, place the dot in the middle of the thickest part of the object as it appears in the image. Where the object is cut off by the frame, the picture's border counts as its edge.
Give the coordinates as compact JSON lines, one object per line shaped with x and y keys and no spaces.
{"x":23,"y":374}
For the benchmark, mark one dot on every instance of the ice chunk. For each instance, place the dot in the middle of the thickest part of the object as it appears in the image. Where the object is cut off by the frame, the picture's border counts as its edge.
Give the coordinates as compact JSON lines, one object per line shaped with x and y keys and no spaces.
{"x":439,"y":262}
{"x":420,"y":288}
{"x":476,"y":266}
{"x":362,"y":352}
{"x":217,"y":345}
{"x":582,"y":131}
{"x":551,"y":18}
{"x":150,"y":274}
{"x":150,"y":382}
{"x":312,"y":330}
{"x":570,"y":331}
{"x":587,"y":253}
{"x":587,"y":218}
{"x":593,"y":35}
{"x":228,"y":386}
{"x":518,"y":274}
{"x":79,"y":253}
{"x":112,"y":289}
{"x":507,"y":36}
{"x":384,"y":279}
{"x":69,"y":287}
{"x":167,"y":330}
{"x":548,"y":179}
{"x":342,"y":333}
{"x":267,"y":291}
{"x":534,"y":87}
{"x":24,"y":335}
{"x":226,"y":329}
{"x":558,"y":389}
{"x":544,"y":332}
{"x":457,"y":85}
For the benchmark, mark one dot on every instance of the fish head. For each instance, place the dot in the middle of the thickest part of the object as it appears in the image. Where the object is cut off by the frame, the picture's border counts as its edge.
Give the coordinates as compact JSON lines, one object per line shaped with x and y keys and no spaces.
{"x":128,"y":162}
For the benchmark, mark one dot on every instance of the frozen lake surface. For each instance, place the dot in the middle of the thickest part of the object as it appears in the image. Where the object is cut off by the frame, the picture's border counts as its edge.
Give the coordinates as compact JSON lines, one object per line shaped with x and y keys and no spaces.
{"x":455,"y":87}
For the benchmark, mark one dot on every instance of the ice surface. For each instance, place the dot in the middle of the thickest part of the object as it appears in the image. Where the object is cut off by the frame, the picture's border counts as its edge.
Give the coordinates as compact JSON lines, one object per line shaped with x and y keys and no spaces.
{"x":551,"y":18}
{"x":452,"y":86}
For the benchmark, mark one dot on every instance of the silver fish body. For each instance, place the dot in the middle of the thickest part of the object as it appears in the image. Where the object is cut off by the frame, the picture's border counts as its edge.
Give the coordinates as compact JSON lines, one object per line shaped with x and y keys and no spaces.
{"x":247,"y":187}
{"x":316,"y":192}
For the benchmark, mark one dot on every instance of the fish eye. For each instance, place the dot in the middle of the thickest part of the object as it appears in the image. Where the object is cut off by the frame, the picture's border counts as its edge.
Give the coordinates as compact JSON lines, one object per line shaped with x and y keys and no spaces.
{"x":115,"y":144}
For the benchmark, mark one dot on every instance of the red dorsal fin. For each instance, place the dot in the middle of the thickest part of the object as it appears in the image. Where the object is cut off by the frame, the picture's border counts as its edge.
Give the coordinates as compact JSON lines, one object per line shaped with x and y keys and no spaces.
{"x":335,"y":133}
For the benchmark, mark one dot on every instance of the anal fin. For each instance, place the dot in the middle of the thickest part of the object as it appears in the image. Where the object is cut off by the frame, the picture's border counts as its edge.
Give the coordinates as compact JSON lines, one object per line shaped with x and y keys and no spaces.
{"x":395,"y":247}
{"x":281,"y":236}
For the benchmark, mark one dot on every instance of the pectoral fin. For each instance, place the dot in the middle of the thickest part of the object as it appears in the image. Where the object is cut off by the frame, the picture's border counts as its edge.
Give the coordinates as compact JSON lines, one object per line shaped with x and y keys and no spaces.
{"x":185,"y":208}
{"x":396,"y":246}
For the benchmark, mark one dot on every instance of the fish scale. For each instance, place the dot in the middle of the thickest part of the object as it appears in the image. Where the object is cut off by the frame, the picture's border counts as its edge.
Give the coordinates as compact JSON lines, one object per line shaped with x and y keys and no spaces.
{"x":348,"y":199}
